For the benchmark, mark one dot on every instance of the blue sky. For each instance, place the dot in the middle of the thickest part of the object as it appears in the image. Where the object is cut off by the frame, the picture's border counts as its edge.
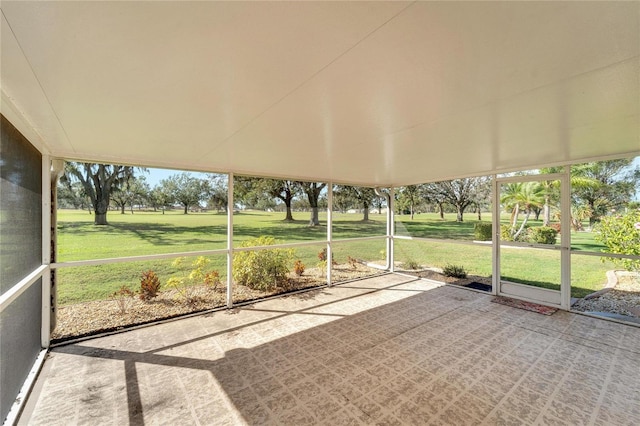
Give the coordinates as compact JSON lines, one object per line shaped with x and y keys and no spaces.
{"x":156,"y":175}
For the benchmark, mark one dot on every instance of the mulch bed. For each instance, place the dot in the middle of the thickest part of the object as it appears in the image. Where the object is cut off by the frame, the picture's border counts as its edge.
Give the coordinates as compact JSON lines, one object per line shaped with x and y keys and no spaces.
{"x":471,"y":281}
{"x":103,"y":316}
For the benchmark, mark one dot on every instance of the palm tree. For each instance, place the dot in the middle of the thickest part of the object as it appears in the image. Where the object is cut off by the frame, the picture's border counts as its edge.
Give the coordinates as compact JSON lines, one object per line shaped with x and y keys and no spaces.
{"x":522,"y":196}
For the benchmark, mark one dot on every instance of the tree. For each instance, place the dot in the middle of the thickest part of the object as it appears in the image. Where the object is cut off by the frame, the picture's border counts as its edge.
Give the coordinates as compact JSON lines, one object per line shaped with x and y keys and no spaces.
{"x":409,"y":197}
{"x":185,"y":189}
{"x":133,"y":191}
{"x":313,"y":191}
{"x":431,"y":193}
{"x":120,"y":198}
{"x":378,"y":203}
{"x":253,"y":191}
{"x":358,"y":195}
{"x":482,"y":194}
{"x":607,"y":185}
{"x":140,"y":192}
{"x":621,"y":235}
{"x":72,"y":194}
{"x":342,"y":199}
{"x":99,"y":181}
{"x":218,"y":196}
{"x":460,"y":193}
{"x":160,"y":198}
{"x":522,"y":196}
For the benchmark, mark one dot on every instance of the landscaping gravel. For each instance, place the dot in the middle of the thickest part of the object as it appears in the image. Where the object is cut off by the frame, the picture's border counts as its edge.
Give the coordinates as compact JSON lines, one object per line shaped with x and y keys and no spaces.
{"x":623,"y":299}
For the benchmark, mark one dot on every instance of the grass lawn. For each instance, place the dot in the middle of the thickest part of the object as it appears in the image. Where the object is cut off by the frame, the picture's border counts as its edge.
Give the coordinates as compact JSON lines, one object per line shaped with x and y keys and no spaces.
{"x":144,"y":233}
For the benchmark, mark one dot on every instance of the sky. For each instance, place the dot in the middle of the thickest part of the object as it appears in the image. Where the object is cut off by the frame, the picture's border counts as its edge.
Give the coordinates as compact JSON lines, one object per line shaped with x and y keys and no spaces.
{"x":156,"y":175}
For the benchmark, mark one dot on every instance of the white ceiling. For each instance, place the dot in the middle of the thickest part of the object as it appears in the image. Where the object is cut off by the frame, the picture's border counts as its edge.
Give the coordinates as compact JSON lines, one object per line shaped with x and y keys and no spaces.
{"x":366,"y":93}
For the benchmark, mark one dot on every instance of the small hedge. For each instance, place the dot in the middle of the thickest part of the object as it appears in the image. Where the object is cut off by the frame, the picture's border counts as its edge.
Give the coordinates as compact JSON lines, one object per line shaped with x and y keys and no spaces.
{"x":455,"y":271}
{"x":482,"y":231}
{"x":543,"y":235}
{"x":261,"y":269}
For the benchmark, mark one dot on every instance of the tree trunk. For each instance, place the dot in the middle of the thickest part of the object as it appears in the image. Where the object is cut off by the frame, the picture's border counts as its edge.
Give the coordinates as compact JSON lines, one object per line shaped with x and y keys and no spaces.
{"x":102,"y":206}
{"x":411,"y":210}
{"x":314,"y":221}
{"x":546,"y":210}
{"x":459,"y":213}
{"x":524,"y":222}
{"x":186,"y":209}
{"x":479,"y":211}
{"x":365,"y":216}
{"x":514,"y":215}
{"x":441,"y":208}
{"x":289,"y":216}
{"x":121,"y":208}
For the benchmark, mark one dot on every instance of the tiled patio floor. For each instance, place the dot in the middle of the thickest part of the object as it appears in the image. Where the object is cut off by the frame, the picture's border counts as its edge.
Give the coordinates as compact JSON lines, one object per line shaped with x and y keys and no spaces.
{"x":387,"y":350}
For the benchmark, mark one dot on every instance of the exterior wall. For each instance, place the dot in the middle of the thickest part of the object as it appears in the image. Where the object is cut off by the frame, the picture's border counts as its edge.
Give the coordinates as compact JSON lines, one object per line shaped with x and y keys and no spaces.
{"x":20,"y":255}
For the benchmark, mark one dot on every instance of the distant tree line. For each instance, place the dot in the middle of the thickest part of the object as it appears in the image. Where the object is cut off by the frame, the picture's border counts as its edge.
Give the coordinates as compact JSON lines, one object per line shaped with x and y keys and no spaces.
{"x":598,"y":188}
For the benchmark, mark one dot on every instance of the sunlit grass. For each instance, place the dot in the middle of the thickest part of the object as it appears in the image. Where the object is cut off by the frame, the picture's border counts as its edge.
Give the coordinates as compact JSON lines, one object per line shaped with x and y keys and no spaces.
{"x":147,"y":233}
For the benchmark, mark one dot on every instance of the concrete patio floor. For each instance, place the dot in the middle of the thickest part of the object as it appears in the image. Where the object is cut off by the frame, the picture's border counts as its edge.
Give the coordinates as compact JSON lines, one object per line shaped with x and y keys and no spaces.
{"x":385,"y":350}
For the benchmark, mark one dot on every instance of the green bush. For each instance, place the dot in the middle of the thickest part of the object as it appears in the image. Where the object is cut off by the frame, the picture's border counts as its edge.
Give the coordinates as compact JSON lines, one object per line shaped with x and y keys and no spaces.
{"x":542,"y":235}
{"x":621,"y":235}
{"x":454,"y":271}
{"x":482,"y":231}
{"x":505,"y":234}
{"x":261,"y":269}
{"x":187,"y":285}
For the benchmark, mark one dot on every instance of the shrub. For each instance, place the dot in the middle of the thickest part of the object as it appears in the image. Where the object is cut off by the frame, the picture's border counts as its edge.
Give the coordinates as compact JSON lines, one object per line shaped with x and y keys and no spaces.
{"x":123,"y":297}
{"x":149,"y":285}
{"x":621,"y":235}
{"x":454,"y":271}
{"x":212,"y":279}
{"x":352,"y":261}
{"x":322,"y":255}
{"x":322,"y":268}
{"x":555,"y":226}
{"x":410,"y":264}
{"x":482,"y":231}
{"x":298,"y":267}
{"x":261,"y":269}
{"x":187,"y":286}
{"x":506,"y":233}
{"x":542,"y":235}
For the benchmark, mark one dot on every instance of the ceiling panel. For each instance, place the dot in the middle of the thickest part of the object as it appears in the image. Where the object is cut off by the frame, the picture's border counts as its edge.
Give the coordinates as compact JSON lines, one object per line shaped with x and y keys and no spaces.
{"x":373,"y":93}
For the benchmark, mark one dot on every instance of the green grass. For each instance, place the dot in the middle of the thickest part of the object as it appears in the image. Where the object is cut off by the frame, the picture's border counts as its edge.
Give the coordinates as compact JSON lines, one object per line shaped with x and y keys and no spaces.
{"x":146,"y":233}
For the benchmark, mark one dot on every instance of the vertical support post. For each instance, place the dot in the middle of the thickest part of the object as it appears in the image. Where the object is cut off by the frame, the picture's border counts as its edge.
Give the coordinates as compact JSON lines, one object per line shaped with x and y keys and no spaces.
{"x":495,"y":238}
{"x":329,"y":229}
{"x":391,"y":229}
{"x":230,"y":210}
{"x":565,"y":239}
{"x":45,"y":327}
{"x":57,"y":170}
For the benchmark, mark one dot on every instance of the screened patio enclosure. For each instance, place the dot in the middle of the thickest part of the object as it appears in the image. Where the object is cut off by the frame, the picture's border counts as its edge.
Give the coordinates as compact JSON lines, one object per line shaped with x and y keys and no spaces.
{"x":380,"y":94}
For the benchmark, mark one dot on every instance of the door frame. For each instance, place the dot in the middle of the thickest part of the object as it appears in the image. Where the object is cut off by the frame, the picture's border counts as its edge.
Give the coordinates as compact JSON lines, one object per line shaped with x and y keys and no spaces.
{"x":563,"y":299}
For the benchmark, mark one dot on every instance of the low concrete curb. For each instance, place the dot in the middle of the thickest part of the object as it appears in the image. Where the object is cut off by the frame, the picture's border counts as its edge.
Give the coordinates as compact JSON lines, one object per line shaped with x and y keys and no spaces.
{"x":612,"y":280}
